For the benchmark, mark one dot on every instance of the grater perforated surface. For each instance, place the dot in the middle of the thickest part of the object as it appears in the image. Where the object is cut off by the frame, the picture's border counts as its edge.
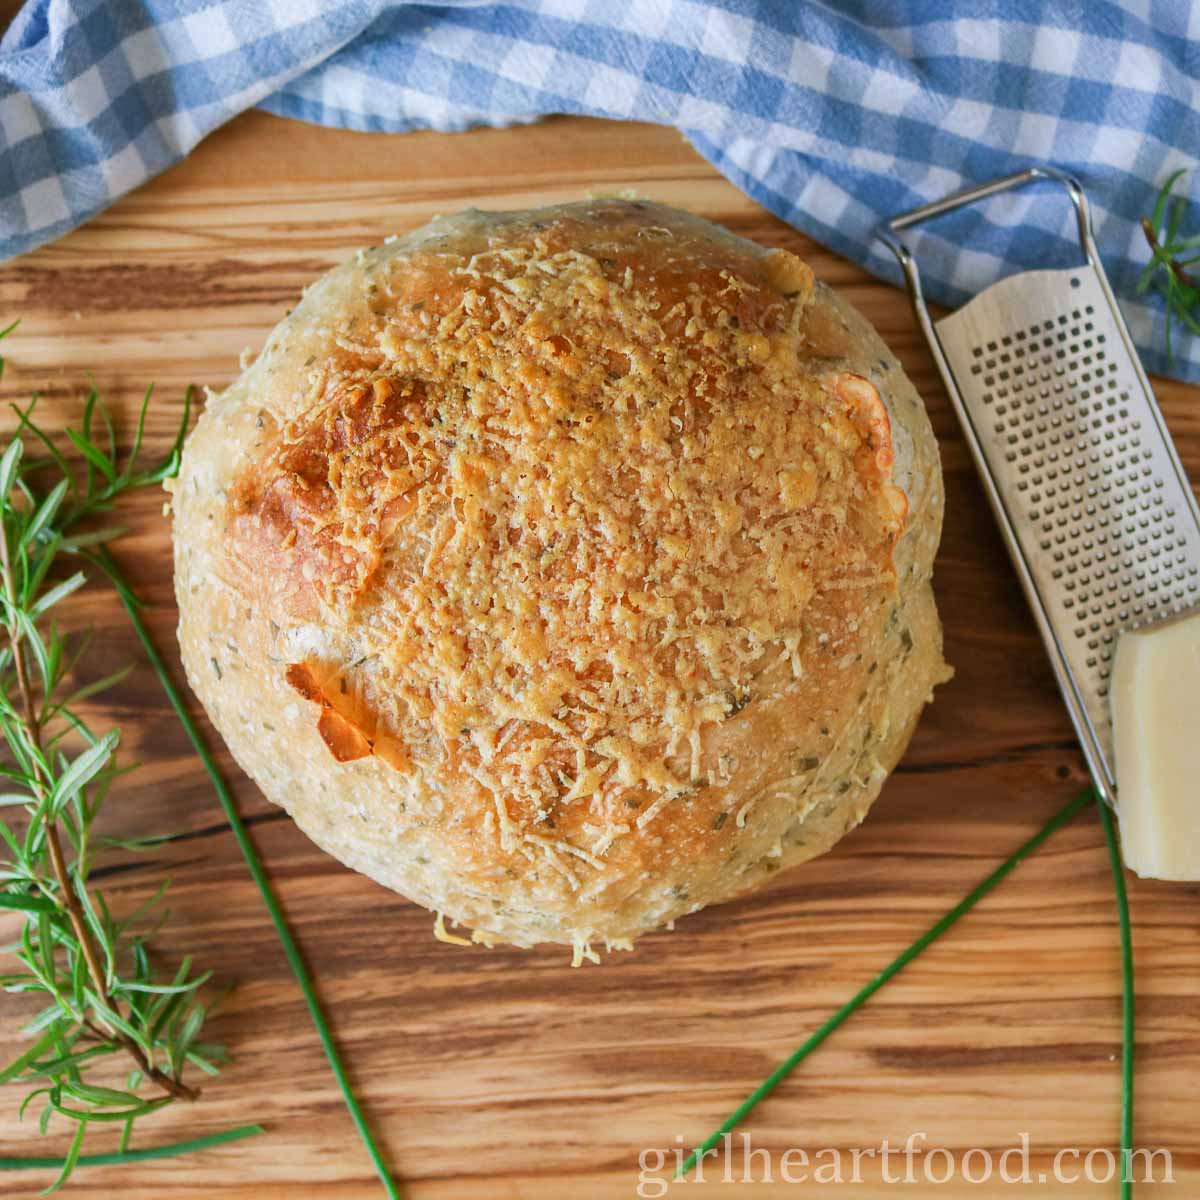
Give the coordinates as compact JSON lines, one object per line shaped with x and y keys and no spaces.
{"x":1105,"y":519}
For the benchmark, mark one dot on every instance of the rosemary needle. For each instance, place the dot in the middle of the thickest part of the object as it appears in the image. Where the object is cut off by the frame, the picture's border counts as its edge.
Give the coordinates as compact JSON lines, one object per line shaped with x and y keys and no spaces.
{"x":133,"y":608}
{"x":117,"y":1158}
{"x":1127,"y":1039}
{"x":893,"y":968}
{"x":1173,"y":260}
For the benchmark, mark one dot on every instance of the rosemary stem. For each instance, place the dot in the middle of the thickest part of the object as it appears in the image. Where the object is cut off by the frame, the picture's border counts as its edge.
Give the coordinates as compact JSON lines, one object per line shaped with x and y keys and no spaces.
{"x":1157,"y":250}
{"x":893,"y":968}
{"x":290,"y":949}
{"x":66,"y":893}
{"x":67,"y":896}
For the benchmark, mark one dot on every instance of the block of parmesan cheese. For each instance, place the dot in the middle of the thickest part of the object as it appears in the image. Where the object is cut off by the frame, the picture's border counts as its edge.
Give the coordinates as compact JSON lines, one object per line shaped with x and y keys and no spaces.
{"x":1156,"y":727}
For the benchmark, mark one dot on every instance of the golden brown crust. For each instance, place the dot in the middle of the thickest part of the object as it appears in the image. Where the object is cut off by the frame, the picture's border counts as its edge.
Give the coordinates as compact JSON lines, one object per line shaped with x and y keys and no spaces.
{"x":592,"y":551}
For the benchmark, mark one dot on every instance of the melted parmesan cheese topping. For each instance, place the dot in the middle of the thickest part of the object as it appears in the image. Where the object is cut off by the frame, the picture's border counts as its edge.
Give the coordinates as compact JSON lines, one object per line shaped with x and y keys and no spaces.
{"x":578,"y":498}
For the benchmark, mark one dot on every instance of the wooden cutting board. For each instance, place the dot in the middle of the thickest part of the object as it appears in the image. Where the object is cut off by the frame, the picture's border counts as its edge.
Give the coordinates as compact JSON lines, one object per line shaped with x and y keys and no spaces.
{"x":505,"y":1073}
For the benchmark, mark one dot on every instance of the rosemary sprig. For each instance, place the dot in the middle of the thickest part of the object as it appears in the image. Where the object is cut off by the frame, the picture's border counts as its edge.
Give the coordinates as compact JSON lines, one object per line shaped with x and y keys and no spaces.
{"x":105,"y":1003}
{"x":1171,"y":256}
{"x":104,"y":481}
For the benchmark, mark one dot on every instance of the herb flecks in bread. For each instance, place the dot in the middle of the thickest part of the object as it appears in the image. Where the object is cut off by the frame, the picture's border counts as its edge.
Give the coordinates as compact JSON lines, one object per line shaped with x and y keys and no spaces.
{"x":556,"y":540}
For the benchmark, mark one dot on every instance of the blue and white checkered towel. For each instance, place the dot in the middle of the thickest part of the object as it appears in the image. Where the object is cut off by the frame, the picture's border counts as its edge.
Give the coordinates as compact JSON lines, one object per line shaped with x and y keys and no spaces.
{"x":833,"y":114}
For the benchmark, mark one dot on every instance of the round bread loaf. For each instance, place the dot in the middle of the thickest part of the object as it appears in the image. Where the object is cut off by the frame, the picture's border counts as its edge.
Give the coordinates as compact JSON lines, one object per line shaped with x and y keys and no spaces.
{"x":565,"y":570}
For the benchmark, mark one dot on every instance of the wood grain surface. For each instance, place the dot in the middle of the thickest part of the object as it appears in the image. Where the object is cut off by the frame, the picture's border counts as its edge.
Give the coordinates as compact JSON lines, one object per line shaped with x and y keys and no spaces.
{"x":505,"y":1073}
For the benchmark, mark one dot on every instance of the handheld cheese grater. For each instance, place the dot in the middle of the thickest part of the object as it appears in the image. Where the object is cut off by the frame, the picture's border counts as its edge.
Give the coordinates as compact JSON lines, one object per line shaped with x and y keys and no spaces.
{"x":1075,"y":458}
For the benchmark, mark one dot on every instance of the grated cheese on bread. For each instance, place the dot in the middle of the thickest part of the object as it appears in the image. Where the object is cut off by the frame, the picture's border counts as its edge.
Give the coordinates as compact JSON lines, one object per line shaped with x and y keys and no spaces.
{"x":565,"y":570}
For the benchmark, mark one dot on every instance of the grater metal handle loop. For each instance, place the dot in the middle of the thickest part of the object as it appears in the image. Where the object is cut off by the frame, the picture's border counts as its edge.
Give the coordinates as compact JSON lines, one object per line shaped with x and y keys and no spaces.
{"x":983,"y":191}
{"x":889,"y":232}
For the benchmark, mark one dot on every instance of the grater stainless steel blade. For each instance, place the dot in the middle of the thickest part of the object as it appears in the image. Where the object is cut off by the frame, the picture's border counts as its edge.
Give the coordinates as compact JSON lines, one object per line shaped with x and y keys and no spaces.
{"x":1077,"y":463}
